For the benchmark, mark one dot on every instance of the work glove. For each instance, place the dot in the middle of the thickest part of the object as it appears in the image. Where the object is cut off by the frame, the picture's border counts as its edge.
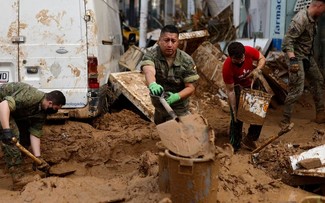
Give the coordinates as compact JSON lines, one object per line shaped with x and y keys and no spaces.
{"x":156,"y":89}
{"x":172,"y":98}
{"x":294,"y":65}
{"x":7,"y":136}
{"x":43,"y":166}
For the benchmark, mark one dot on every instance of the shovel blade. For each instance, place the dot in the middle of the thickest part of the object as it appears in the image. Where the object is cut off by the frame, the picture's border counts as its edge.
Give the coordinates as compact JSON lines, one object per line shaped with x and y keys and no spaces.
{"x":60,"y":170}
{"x":189,"y":137}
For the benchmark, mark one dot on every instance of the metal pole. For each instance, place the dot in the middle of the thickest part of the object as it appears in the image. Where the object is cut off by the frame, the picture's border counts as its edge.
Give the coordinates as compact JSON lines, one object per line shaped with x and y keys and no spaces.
{"x":143,"y":23}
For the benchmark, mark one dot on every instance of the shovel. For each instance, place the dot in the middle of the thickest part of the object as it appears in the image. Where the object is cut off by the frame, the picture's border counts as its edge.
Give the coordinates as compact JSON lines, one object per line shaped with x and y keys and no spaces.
{"x":186,"y":135}
{"x":255,"y":153}
{"x":49,"y":172}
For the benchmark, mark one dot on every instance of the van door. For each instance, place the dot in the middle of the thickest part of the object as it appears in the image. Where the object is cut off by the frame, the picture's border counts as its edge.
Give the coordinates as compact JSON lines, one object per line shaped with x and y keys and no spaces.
{"x":9,"y":49}
{"x":53,"y":50}
{"x":44,"y":44}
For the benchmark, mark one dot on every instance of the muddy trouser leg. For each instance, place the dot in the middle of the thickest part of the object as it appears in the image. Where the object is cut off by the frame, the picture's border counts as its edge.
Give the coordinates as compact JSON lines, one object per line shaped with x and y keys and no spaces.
{"x":315,"y":79}
{"x":24,"y":135}
{"x":295,"y":90}
{"x":254,"y":132}
{"x":236,"y":127}
{"x":12,"y":154}
{"x":235,"y":132}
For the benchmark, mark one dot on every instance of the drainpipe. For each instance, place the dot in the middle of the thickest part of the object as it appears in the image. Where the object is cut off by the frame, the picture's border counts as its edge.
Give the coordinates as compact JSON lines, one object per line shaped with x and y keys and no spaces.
{"x":143,"y":23}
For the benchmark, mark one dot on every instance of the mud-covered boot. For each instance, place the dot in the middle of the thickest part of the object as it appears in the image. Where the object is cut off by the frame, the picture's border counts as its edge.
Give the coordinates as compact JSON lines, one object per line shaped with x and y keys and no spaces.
{"x":284,"y":122}
{"x":320,"y":117}
{"x":248,"y":144}
{"x":21,"y":178}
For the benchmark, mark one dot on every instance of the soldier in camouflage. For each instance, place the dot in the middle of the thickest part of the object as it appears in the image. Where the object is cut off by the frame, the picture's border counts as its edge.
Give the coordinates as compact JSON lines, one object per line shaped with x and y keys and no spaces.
{"x":23,"y":111}
{"x":171,"y":71}
{"x":298,"y":45}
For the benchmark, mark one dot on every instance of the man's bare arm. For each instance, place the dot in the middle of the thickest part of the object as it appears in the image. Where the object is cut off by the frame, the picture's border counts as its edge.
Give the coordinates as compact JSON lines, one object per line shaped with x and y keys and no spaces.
{"x":4,"y":114}
{"x":149,"y":73}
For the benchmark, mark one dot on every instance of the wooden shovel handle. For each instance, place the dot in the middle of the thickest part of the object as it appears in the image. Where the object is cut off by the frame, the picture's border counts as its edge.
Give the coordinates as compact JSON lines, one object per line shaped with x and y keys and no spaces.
{"x":25,"y":151}
{"x":265,"y":144}
{"x":282,"y":132}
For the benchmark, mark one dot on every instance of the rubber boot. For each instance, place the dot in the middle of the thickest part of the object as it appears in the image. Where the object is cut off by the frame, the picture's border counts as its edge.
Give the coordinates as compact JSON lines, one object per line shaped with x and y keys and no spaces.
{"x":21,"y":178}
{"x":248,"y":144}
{"x":284,"y":122}
{"x":320,"y":117}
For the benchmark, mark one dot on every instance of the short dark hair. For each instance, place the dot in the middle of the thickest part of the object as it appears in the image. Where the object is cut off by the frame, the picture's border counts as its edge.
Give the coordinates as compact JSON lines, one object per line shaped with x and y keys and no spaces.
{"x":236,"y":50}
{"x":170,"y":29}
{"x":56,"y":96}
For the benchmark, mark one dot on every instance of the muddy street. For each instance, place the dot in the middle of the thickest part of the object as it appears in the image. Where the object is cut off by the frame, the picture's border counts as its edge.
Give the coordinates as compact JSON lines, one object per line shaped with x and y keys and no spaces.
{"x":115,"y":158}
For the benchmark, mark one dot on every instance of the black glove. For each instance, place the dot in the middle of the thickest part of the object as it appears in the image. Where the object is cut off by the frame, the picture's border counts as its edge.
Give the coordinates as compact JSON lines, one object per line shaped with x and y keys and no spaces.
{"x":43,"y":166}
{"x":294,"y":65}
{"x":306,"y":64}
{"x":7,"y":136}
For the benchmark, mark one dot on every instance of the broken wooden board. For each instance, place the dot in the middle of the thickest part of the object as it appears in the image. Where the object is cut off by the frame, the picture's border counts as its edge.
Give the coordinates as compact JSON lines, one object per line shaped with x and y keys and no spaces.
{"x":190,"y":41}
{"x":209,"y":61}
{"x":276,"y":73}
{"x":131,"y":58}
{"x":278,"y":86}
{"x":133,"y":86}
{"x":317,"y":152}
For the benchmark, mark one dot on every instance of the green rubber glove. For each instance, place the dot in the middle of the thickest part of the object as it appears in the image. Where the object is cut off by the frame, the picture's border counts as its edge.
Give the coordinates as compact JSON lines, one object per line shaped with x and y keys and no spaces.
{"x":156,"y":89}
{"x":172,"y":98}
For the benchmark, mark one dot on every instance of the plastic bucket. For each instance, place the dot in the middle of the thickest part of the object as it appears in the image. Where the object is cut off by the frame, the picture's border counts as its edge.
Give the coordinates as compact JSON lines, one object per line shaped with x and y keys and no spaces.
{"x":253,"y":105}
{"x":192,"y":179}
{"x":163,"y":175}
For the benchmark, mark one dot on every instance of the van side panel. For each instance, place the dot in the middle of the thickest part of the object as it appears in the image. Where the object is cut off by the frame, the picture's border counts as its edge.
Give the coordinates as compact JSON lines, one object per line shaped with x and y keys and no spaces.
{"x":8,"y":50}
{"x":104,"y":34}
{"x":54,"y":55}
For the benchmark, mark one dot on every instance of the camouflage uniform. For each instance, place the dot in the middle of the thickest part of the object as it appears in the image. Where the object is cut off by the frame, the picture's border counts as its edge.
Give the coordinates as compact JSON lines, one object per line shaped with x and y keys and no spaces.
{"x":299,"y":39}
{"x":26,"y":116}
{"x":172,"y":79}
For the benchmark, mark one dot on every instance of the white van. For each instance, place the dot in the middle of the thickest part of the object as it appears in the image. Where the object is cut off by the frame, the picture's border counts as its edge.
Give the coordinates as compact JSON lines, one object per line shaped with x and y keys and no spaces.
{"x":67,"y":45}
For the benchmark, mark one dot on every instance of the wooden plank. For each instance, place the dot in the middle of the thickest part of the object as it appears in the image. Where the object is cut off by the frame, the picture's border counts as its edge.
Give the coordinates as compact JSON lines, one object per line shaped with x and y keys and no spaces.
{"x":209,"y":61}
{"x":133,"y":86}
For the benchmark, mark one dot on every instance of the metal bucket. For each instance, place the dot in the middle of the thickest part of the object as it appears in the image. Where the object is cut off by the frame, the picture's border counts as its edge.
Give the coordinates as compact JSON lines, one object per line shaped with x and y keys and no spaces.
{"x":253,"y":105}
{"x":192,"y":179}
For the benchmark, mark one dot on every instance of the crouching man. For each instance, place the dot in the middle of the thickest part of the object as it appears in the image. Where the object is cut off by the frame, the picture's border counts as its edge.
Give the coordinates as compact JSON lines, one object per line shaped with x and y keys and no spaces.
{"x":23,"y":111}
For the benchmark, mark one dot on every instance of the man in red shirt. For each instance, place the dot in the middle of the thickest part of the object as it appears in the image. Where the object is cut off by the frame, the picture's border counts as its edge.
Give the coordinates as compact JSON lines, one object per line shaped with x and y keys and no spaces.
{"x":238,"y":71}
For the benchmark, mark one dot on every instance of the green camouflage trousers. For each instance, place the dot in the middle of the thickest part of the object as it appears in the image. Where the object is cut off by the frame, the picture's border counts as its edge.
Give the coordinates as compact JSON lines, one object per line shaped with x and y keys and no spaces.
{"x":12,"y":154}
{"x":296,"y":87}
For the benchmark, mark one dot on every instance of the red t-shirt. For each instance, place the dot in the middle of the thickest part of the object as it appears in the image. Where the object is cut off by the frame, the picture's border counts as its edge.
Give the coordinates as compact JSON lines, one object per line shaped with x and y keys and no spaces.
{"x":233,"y":74}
